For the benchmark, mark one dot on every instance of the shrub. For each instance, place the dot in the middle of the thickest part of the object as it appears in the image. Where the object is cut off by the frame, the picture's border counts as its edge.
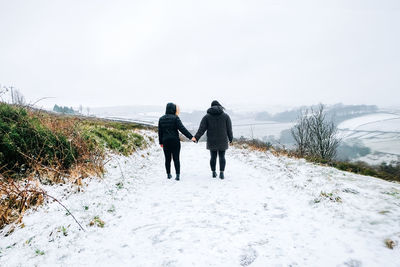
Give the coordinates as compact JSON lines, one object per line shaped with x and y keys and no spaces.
{"x":31,"y":140}
{"x":391,"y":169}
{"x":384,"y":171}
{"x":24,"y":139}
{"x":45,"y":148}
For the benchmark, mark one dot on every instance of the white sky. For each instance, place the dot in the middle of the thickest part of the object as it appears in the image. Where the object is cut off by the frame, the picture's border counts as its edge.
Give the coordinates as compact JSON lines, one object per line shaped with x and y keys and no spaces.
{"x":271,"y":52}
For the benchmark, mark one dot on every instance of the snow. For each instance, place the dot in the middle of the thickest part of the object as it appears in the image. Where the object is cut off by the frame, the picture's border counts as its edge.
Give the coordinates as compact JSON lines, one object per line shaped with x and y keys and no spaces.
{"x":390,"y":146}
{"x":380,"y":132}
{"x":378,"y":158}
{"x":260,"y":129}
{"x":353,"y":124}
{"x":269,"y":211}
{"x":389,"y":125}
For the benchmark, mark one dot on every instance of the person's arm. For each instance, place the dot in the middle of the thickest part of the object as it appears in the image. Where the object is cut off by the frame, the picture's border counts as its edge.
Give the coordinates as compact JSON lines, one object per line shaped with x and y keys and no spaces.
{"x":182,"y":128}
{"x":202,"y":128}
{"x":160,"y":133}
{"x":229,"y":129}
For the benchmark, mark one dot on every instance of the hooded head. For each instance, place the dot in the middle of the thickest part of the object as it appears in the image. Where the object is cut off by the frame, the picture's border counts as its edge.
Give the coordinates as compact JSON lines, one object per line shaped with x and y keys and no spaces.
{"x":171,"y":109}
{"x":215,"y":103}
{"x":216,"y":108}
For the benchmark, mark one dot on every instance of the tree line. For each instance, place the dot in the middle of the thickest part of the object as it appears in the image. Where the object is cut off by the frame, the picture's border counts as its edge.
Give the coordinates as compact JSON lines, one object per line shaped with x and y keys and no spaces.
{"x":338,"y":113}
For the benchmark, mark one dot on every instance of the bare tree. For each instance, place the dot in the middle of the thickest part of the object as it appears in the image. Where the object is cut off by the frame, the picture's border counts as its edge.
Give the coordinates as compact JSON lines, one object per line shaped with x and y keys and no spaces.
{"x":315,"y":135}
{"x":323,"y":141}
{"x":300,"y":133}
{"x":3,"y":91}
{"x":16,"y":97}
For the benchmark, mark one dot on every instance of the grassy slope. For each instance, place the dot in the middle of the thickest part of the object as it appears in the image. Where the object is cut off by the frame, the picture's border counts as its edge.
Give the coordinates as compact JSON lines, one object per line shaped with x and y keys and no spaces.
{"x":384,"y":171}
{"x":37,"y":148}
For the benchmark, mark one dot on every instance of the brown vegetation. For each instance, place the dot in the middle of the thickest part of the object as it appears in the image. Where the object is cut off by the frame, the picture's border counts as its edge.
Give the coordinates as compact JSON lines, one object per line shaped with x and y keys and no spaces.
{"x":42,"y":148}
{"x":389,"y":172}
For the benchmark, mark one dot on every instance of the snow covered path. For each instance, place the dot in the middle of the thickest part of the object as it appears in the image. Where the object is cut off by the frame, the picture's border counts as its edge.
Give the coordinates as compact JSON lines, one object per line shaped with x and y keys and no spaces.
{"x":269,"y":211}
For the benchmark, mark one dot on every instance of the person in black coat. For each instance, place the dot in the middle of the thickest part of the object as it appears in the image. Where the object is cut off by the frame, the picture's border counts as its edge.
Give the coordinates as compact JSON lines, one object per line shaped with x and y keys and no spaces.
{"x":219,"y":132}
{"x":168,"y":126}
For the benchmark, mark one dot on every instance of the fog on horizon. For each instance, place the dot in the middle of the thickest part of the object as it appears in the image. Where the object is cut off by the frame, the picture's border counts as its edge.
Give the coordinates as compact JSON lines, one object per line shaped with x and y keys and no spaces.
{"x":258,"y":53}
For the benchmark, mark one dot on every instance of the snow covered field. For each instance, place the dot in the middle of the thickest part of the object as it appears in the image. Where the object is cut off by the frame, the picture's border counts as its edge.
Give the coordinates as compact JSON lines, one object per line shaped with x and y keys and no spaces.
{"x":363,"y":121}
{"x":260,"y":129}
{"x":269,"y":211}
{"x":380,"y":132}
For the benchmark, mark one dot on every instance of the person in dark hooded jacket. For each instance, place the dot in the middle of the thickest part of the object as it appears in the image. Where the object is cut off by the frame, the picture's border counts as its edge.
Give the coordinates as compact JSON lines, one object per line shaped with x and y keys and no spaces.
{"x":219,"y":132}
{"x":168,"y":126}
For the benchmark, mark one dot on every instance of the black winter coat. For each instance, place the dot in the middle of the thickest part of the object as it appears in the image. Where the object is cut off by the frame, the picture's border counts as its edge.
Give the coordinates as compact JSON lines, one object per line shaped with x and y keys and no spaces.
{"x":169,"y":124}
{"x":219,"y":129}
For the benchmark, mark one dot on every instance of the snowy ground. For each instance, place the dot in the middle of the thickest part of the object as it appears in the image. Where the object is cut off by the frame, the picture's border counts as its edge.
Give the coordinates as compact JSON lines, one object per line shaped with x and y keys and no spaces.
{"x":379,"y":131}
{"x":269,"y":211}
{"x":385,"y":122}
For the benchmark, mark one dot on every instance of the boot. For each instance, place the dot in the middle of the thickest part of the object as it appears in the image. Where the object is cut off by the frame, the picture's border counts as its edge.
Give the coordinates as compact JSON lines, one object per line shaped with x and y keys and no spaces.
{"x":221,"y":175}
{"x":177,"y":177}
{"x":214,"y":174}
{"x":169,"y":176}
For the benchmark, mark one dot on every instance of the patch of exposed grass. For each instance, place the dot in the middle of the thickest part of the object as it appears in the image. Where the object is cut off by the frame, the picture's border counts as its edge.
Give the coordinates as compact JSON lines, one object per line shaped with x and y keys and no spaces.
{"x":39,"y":252}
{"x":392,"y":193}
{"x":118,"y":140}
{"x":390,"y":243}
{"x":97,"y":222}
{"x":119,"y":185}
{"x":64,"y":231}
{"x":329,"y":196}
{"x":24,"y":140}
{"x":111,"y":209}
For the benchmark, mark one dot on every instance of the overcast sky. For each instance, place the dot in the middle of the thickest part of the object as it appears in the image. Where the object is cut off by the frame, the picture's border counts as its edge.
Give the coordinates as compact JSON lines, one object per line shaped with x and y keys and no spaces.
{"x":270,"y":52}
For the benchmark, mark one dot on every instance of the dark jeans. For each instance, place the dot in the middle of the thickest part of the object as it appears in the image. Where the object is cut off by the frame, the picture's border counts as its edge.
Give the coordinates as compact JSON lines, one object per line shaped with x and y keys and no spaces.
{"x":213,"y":161}
{"x":172,"y":148}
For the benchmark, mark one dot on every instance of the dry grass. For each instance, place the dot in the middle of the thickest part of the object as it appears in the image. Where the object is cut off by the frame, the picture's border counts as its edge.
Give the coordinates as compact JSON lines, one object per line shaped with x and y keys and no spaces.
{"x":20,"y":191}
{"x":257,"y":145}
{"x":16,"y":198}
{"x":90,"y":160}
{"x":383,"y":171}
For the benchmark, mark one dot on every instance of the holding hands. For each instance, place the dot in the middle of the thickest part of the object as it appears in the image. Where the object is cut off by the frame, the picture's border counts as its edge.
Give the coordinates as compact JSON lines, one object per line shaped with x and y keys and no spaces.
{"x":194,"y":139}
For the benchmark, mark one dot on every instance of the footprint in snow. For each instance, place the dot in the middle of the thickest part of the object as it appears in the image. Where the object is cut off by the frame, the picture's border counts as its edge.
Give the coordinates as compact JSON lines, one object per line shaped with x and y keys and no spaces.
{"x":169,"y":263}
{"x":159,"y":237}
{"x":248,"y":257}
{"x":352,"y":263}
{"x":260,"y":242}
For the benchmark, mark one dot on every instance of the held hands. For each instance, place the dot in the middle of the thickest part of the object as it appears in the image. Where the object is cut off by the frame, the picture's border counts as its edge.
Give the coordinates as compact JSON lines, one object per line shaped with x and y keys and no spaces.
{"x":194,"y":139}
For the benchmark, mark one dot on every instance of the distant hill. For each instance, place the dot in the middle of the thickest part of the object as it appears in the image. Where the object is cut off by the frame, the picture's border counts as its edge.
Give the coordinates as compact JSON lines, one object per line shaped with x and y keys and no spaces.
{"x":338,"y":112}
